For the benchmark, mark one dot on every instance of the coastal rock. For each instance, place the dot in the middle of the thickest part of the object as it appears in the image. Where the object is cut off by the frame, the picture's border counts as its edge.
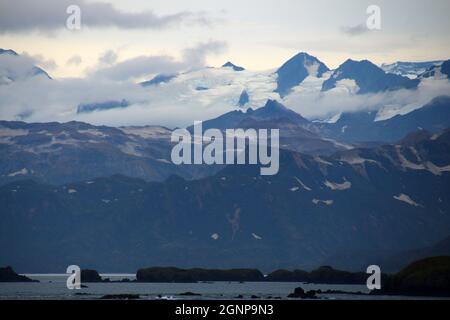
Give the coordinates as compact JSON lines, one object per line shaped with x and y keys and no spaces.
{"x":300,"y":293}
{"x":88,"y":275}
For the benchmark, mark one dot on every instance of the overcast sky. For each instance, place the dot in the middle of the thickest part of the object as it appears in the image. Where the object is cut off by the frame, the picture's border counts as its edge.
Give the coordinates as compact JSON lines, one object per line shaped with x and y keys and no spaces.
{"x":258,"y":35}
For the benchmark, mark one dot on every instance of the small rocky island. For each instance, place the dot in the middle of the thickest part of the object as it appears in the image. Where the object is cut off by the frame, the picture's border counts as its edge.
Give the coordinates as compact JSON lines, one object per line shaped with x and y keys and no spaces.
{"x":171,"y":274}
{"x":321,"y":275}
{"x":7,"y":274}
{"x":92,"y":276}
{"x":88,"y":275}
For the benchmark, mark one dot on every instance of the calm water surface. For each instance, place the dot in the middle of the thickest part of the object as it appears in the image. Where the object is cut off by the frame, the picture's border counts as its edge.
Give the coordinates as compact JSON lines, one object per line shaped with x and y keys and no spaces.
{"x":54,"y":287}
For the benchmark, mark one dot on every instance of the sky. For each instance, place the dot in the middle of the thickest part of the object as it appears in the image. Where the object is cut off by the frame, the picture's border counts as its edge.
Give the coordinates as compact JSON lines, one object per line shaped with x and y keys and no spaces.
{"x":259,"y":35}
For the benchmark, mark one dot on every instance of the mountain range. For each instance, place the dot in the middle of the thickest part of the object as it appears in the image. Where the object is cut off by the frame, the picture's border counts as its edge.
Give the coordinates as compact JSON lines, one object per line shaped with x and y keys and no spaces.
{"x":41,"y":151}
{"x":367,"y":186}
{"x":378,"y":201}
{"x":231,"y":86}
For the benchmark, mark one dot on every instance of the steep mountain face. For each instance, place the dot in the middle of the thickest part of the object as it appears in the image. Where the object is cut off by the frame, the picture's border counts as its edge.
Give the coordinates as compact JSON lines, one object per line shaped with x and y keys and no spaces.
{"x":243,"y":98}
{"x":376,"y":201}
{"x":362,"y":127}
{"x":445,"y":68}
{"x":13,"y":68}
{"x":368,"y":77}
{"x":296,"y":133}
{"x":233,"y":66}
{"x":160,"y":78}
{"x":438,"y":71}
{"x":409,"y":69}
{"x":60,"y":153}
{"x":296,"y":69}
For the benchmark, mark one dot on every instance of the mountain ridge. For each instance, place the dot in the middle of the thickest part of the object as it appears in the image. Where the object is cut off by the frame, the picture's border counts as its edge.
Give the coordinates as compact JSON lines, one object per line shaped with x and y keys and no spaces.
{"x":368,"y":77}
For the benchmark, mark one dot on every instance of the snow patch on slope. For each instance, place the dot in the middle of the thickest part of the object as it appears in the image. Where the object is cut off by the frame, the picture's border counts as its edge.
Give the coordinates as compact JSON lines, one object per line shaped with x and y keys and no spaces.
{"x":215,"y":236}
{"x":21,"y":172}
{"x":405,"y":198}
{"x":302,"y":184}
{"x":427,"y":165}
{"x":325,"y":202}
{"x":338,"y":186}
{"x":256,"y":237}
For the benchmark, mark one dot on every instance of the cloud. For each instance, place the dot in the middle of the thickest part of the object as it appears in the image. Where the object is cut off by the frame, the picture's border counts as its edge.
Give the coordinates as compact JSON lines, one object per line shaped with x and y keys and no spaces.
{"x":355,"y":30}
{"x":28,"y":99}
{"x":74,"y":60}
{"x":196,"y":56}
{"x":108,"y":57}
{"x":18,"y":67}
{"x":50,"y":15}
{"x":39,"y":60}
{"x":152,"y":105}
{"x":140,"y":66}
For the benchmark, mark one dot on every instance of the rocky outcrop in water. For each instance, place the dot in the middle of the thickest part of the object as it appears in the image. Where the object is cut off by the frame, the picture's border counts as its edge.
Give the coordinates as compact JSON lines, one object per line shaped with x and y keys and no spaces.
{"x":299,"y":293}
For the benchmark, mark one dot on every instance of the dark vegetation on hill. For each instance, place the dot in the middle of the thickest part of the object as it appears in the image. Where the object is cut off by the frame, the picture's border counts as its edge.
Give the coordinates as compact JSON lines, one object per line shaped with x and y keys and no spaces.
{"x":426,"y":277}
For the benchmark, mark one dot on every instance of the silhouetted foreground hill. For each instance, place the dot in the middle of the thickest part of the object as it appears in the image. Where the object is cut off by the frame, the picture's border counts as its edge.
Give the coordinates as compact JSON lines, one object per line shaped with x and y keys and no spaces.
{"x":427,"y":277}
{"x":7,"y":274}
{"x":397,"y":261}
